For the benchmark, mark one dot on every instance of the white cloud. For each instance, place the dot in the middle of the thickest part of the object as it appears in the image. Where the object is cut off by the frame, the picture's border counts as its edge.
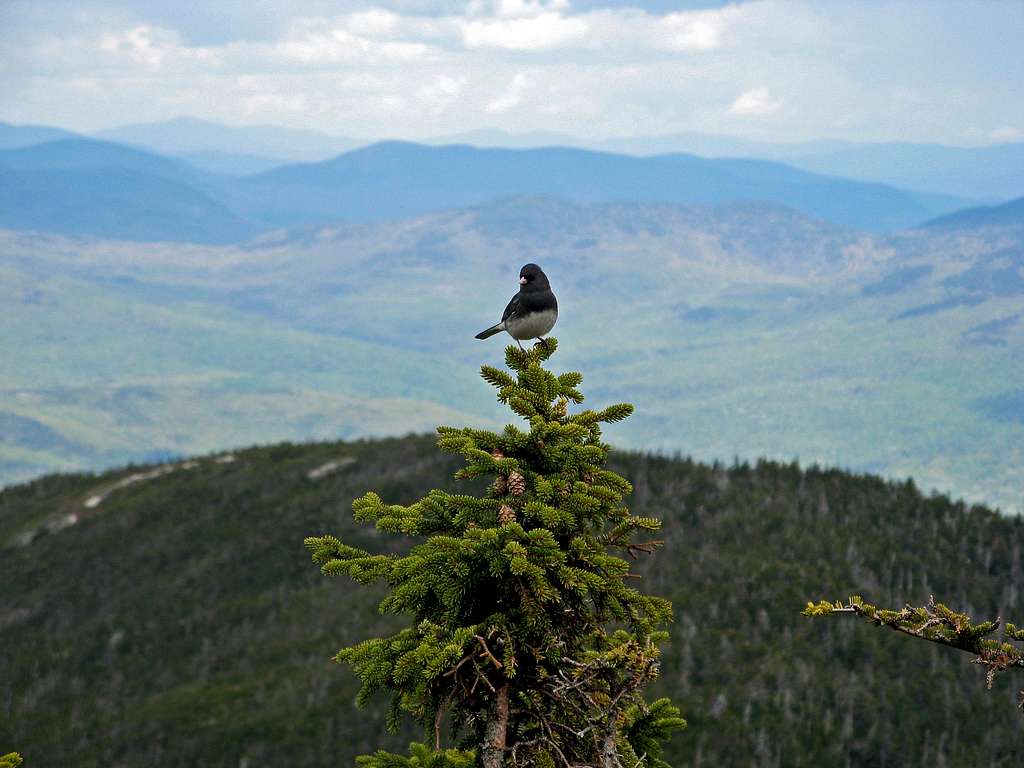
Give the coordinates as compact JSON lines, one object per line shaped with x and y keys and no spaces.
{"x":514,"y":8}
{"x":755,"y":103}
{"x":1006,"y":133}
{"x":528,"y":33}
{"x":443,"y":91}
{"x":513,"y":95}
{"x":373,"y":22}
{"x":323,"y":42}
{"x":262,"y":103}
{"x":697,"y":30}
{"x":150,"y":47}
{"x":144,"y":45}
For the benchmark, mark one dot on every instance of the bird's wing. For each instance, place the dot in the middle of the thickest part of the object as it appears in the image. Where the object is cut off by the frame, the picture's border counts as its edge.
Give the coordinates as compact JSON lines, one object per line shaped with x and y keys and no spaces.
{"x":512,"y":309}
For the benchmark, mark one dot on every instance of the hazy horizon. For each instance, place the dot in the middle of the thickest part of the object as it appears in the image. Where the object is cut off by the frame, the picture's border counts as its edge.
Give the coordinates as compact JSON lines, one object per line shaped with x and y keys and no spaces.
{"x":511,"y":134}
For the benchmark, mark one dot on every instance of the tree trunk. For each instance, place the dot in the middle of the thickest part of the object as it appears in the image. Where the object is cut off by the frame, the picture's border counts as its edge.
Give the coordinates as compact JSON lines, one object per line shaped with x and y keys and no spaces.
{"x":609,"y":752}
{"x":496,"y":731}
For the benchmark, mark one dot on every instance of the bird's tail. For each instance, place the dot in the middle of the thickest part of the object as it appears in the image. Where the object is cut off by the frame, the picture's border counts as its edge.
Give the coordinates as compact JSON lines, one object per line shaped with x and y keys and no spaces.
{"x":491,"y":331}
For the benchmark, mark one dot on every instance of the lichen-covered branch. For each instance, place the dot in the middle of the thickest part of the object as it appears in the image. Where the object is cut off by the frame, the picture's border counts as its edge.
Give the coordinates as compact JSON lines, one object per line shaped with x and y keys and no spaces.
{"x":937,"y":623}
{"x":581,"y":704}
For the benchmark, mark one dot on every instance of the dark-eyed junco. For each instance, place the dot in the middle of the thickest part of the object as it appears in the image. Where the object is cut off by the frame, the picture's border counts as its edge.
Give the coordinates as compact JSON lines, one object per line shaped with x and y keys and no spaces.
{"x":532,"y":312}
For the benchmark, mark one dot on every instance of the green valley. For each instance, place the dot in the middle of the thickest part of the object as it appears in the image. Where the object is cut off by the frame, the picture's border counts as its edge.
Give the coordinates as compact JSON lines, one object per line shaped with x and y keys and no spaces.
{"x":741,"y":330}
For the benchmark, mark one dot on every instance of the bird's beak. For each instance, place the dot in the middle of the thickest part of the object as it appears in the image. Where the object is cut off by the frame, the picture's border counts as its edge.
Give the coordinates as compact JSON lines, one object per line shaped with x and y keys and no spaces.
{"x":522,"y":281}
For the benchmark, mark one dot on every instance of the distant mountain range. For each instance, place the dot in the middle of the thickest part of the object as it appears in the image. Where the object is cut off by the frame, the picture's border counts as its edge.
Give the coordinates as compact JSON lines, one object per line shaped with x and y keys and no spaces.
{"x":85,"y":186}
{"x":986,"y":173}
{"x":689,"y":142}
{"x":399,"y":179}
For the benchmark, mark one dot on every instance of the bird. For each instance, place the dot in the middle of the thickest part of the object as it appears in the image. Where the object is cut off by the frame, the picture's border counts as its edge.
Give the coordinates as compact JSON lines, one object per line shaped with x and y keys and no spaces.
{"x":532,"y":312}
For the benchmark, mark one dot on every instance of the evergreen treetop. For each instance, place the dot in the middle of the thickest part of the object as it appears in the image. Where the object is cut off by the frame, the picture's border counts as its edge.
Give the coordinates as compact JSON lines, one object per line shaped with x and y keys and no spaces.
{"x":526,"y":637}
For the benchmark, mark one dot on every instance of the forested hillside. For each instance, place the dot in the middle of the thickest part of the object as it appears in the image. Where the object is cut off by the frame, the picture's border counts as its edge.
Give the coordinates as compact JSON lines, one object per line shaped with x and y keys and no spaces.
{"x":169,"y":616}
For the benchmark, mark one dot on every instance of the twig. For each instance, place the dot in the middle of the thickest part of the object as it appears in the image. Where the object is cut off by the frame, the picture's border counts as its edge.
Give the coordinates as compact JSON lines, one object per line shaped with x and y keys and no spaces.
{"x":487,"y":650}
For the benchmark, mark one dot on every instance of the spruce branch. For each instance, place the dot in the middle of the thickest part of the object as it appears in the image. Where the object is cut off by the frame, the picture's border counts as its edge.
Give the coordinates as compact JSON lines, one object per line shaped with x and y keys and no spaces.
{"x":937,"y":623}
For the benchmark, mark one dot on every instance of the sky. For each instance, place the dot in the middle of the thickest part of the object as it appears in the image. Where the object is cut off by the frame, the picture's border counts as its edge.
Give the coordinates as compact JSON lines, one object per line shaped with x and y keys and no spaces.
{"x":768,"y":70}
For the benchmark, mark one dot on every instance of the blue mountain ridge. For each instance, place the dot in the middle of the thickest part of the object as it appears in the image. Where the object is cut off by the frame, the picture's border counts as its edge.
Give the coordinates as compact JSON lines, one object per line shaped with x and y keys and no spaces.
{"x":989,"y":173}
{"x":77,"y":154}
{"x":15,"y":136}
{"x":85,"y":186}
{"x":397,"y":179}
{"x":116,"y":203}
{"x":1007,"y":214}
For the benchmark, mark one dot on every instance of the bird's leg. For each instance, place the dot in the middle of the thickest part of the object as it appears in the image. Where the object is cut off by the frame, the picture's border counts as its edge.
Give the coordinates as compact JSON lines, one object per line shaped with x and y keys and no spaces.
{"x":544,"y":342}
{"x":520,"y":344}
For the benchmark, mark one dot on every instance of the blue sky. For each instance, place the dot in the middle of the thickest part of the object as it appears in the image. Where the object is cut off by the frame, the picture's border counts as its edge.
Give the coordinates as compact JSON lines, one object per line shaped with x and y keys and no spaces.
{"x":775,"y":70}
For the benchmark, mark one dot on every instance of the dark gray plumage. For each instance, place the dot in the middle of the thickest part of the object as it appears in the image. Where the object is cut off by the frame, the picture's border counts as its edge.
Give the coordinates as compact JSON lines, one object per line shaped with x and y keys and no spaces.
{"x":532,"y":312}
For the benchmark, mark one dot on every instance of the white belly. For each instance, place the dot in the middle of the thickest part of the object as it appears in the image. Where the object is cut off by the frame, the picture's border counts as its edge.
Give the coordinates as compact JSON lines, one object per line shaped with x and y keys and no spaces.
{"x":532,"y":327}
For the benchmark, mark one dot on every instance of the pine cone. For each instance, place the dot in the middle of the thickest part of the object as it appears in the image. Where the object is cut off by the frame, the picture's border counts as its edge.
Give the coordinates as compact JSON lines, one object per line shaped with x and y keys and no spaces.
{"x":500,"y":487}
{"x":496,"y":453}
{"x":506,"y":514}
{"x":516,"y":484}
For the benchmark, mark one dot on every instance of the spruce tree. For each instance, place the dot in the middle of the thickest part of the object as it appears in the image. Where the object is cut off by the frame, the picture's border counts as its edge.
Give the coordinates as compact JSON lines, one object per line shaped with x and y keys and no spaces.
{"x":527,"y":644}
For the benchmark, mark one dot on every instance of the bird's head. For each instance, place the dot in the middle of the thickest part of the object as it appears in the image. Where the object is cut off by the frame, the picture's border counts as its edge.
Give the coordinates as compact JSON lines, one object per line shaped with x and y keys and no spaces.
{"x":532,"y":277}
